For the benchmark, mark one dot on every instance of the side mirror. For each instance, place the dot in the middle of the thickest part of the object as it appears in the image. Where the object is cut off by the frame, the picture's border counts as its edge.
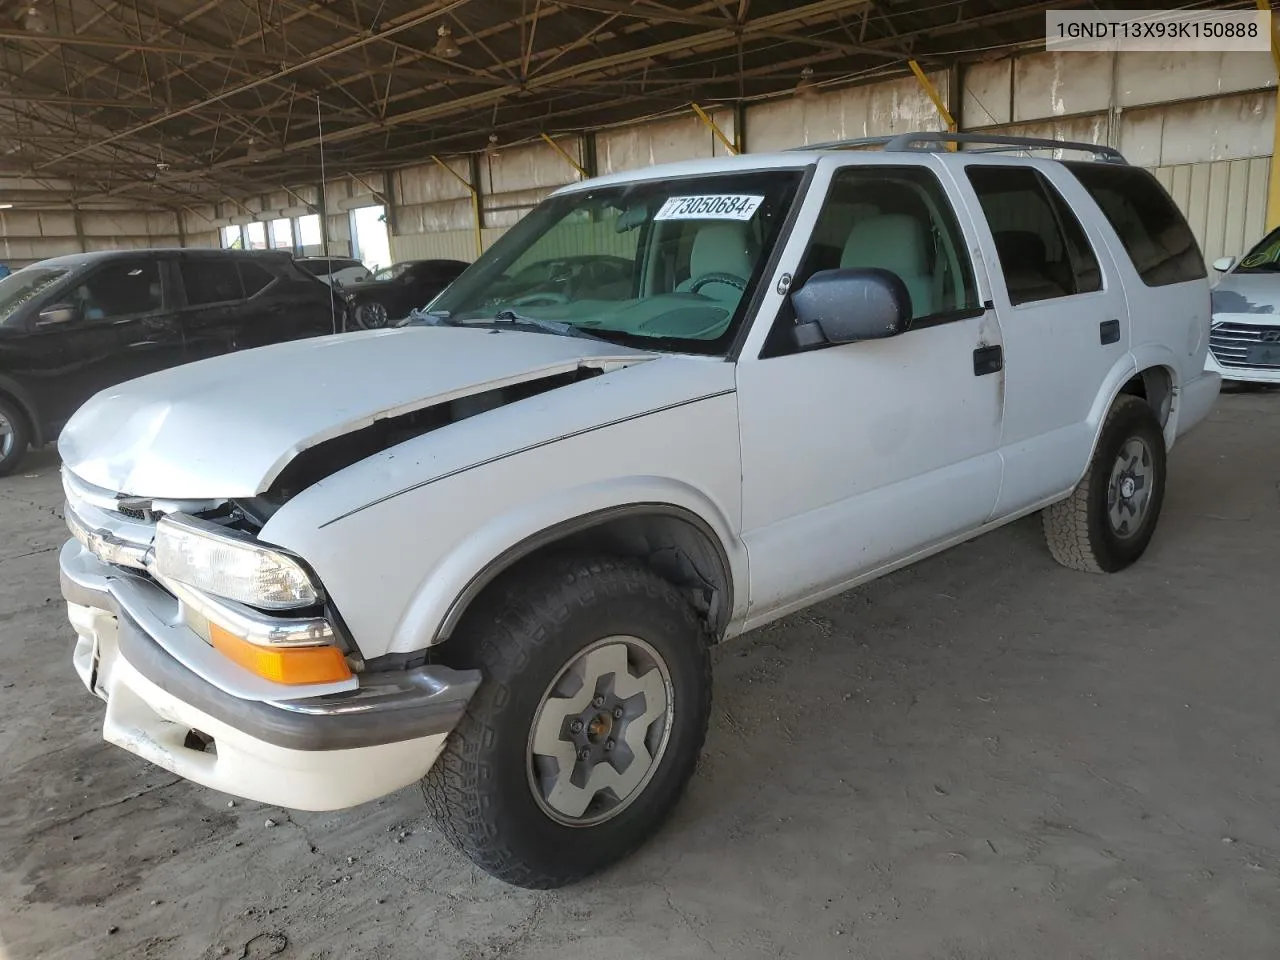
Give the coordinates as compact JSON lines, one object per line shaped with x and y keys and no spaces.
{"x":1223,"y":264}
{"x":852,"y":304}
{"x":57,"y":314}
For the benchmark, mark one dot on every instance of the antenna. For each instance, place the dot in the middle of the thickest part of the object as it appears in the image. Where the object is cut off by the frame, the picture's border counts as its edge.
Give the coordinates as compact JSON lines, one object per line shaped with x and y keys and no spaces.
{"x":324,"y":227}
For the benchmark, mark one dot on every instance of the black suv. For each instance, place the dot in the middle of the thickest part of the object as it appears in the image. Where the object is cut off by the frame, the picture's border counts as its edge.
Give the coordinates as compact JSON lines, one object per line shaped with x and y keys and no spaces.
{"x":74,"y":325}
{"x":396,"y":290}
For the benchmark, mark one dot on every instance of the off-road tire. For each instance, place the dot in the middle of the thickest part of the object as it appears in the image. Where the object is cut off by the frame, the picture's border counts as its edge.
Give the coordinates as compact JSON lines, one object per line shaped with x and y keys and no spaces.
{"x":533,"y":623}
{"x":1076,"y":529}
{"x":21,"y":438}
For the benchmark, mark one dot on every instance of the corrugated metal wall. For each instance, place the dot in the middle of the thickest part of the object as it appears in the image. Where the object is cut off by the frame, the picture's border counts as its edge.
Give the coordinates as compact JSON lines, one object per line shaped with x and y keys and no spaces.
{"x":1225,"y":202}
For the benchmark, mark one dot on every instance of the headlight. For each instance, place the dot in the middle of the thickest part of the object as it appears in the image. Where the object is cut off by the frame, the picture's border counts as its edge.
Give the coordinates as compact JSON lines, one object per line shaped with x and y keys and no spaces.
{"x":206,"y":557}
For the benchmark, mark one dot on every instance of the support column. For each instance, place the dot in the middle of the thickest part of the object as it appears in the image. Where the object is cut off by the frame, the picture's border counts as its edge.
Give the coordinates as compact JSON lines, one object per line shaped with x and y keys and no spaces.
{"x":1273,"y":178}
{"x":932,"y":91}
{"x":715,"y":129}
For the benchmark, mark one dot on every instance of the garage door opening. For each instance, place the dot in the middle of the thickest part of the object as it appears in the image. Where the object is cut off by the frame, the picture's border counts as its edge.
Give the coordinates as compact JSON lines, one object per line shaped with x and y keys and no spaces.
{"x":369,"y":236}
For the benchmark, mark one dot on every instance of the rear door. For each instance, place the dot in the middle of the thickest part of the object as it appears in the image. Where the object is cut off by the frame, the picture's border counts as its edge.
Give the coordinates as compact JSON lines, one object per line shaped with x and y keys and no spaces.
{"x":1162,"y":265}
{"x":1064,"y":317}
{"x":214,"y":298}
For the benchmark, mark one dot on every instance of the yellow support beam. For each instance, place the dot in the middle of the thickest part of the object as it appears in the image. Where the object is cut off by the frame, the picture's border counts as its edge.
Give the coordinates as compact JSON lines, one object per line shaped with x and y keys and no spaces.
{"x":705,"y":118}
{"x":938,"y":102}
{"x":1273,"y":179}
{"x":475,"y":199}
{"x":564,"y":153}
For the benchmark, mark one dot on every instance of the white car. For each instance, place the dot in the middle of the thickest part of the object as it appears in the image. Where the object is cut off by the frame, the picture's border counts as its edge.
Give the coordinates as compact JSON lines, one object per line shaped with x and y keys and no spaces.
{"x":1244,"y":341}
{"x":490,"y":550}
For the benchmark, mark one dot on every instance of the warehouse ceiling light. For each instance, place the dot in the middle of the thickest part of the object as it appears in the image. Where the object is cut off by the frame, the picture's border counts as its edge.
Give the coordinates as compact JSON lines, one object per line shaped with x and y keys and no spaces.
{"x":6,"y":206}
{"x":445,"y":45}
{"x":33,"y":21}
{"x":806,"y":89}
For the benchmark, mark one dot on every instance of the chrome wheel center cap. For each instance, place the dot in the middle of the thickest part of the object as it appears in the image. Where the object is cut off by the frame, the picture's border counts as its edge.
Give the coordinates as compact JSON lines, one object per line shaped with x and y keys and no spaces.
{"x":1127,"y":487}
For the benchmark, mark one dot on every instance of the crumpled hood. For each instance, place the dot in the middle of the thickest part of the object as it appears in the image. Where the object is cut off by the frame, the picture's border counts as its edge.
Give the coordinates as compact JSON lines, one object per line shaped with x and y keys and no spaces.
{"x":227,"y":426}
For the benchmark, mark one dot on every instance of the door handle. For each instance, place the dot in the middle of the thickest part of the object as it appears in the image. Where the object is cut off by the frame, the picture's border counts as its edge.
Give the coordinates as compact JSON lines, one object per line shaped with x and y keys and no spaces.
{"x":987,"y":360}
{"x":1109,"y":331}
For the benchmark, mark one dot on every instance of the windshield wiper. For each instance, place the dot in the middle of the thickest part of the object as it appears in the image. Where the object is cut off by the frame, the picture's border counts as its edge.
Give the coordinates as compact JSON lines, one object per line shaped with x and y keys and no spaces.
{"x":546,"y":326}
{"x":428,"y":318}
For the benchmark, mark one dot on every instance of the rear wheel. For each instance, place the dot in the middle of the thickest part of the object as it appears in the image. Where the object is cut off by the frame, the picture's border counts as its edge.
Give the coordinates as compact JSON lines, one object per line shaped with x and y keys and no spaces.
{"x":15,"y":436}
{"x":587,"y":726}
{"x":1107,"y":522}
{"x":371,"y":316}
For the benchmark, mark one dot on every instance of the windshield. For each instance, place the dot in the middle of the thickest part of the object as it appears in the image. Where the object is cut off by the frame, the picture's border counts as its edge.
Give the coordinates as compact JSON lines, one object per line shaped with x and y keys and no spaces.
{"x":1264,"y":257}
{"x":18,"y":288}
{"x":661,"y":264}
{"x":391,"y":272}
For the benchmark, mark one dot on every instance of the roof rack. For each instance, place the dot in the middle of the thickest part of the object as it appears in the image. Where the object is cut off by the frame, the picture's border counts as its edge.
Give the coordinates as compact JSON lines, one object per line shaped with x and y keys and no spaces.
{"x":917,"y":142}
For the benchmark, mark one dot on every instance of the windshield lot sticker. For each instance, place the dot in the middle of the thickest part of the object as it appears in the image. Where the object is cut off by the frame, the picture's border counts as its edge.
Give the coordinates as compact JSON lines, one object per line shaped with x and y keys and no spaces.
{"x":718,"y":206}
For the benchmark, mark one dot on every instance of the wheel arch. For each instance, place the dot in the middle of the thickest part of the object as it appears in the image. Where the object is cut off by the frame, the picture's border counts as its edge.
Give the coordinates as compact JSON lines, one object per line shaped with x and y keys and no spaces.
{"x":16,"y":394}
{"x":674,"y":541}
{"x":1151,"y":377}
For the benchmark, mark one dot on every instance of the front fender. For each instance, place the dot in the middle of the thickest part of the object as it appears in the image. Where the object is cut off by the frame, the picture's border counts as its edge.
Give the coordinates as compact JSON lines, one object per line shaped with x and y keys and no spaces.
{"x":394,"y":561}
{"x":458,"y":576}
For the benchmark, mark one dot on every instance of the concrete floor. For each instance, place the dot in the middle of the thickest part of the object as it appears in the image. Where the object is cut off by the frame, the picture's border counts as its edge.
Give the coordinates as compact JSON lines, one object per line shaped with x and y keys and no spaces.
{"x":986,"y":756}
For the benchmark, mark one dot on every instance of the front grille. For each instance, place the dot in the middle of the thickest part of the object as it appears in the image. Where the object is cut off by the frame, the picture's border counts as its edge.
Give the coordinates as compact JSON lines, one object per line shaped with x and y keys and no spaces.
{"x":1245,"y":345}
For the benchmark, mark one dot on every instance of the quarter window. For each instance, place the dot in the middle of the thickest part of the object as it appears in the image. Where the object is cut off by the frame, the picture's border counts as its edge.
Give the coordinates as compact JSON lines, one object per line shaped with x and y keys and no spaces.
{"x":1042,"y":248}
{"x":121,"y":289}
{"x":1151,"y":228}
{"x":210,"y":281}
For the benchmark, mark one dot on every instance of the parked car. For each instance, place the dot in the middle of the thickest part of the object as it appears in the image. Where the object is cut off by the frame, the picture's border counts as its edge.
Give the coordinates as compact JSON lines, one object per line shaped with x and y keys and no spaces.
{"x":1244,"y":341}
{"x":401,"y":288}
{"x":496,"y":559}
{"x":75,"y":325}
{"x":338,"y":271}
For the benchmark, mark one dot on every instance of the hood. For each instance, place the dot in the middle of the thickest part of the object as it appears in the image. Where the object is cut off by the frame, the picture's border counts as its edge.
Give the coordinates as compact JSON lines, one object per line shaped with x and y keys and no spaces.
{"x":1247,"y":298}
{"x":226,"y":426}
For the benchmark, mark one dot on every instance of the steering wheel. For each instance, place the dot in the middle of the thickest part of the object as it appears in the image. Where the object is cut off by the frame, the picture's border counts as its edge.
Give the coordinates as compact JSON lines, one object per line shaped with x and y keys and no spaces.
{"x":532,"y":299}
{"x":736,"y":282}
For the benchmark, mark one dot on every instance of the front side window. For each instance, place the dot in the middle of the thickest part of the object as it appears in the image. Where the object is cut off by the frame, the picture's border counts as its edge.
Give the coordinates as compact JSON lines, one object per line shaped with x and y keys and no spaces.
{"x":121,"y":289}
{"x":1042,"y":248}
{"x":1151,"y":228}
{"x":661,"y":264}
{"x":897,"y":219}
{"x":20,"y":287}
{"x":210,"y":281}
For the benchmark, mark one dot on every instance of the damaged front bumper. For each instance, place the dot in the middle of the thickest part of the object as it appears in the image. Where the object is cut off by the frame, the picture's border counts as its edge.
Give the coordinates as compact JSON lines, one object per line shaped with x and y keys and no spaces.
{"x":317,"y":753}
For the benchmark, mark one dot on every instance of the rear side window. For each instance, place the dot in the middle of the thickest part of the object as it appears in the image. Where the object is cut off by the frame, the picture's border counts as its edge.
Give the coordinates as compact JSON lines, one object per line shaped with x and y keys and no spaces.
{"x":1151,"y":228}
{"x":210,"y":281}
{"x":254,"y":277}
{"x":1043,"y":250}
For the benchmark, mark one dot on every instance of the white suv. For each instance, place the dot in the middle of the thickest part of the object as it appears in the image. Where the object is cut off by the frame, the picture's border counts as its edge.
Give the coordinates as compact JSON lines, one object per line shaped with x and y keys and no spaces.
{"x":491,"y":549}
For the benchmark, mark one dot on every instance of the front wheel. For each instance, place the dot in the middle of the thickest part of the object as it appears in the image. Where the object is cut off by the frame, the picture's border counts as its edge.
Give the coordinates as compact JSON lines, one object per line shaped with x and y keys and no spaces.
{"x":1107,"y":522}
{"x":14,"y":437}
{"x":587,"y":727}
{"x":371,"y":316}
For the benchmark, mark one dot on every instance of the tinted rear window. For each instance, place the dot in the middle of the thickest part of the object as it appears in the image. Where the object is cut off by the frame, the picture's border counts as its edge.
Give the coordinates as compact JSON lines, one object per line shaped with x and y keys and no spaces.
{"x":1151,"y":227}
{"x":210,"y":281}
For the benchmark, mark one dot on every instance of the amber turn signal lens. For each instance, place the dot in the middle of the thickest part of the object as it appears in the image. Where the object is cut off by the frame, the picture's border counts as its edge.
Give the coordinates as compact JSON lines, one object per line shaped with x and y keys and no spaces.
{"x":320,"y":664}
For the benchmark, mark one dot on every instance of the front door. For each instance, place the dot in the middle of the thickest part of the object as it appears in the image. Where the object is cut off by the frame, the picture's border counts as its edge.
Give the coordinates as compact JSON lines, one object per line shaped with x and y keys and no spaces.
{"x":860,"y":455}
{"x":1065,"y":322}
{"x":120,"y":328}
